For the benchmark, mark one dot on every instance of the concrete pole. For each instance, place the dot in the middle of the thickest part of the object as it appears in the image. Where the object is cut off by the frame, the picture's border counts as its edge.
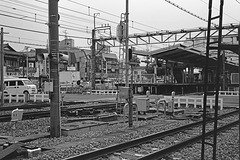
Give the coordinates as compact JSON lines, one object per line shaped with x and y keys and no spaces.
{"x":27,"y":66}
{"x":223,"y":71}
{"x":93,"y":77}
{"x":239,"y":83}
{"x":2,"y":65}
{"x":130,"y":118}
{"x":126,"y":47}
{"x":55,"y":113}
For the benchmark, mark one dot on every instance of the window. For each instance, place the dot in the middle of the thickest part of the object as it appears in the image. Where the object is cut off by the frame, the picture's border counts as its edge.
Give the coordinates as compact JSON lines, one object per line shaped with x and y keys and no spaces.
{"x":20,"y":83}
{"x":31,"y":65}
{"x":6,"y":83}
{"x":28,"y":82}
{"x":12,"y":83}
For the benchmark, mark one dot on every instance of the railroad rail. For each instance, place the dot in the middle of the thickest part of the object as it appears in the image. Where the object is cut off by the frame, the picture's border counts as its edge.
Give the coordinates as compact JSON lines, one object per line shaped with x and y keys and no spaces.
{"x":176,"y":147}
{"x":161,"y":153}
{"x":46,"y":113}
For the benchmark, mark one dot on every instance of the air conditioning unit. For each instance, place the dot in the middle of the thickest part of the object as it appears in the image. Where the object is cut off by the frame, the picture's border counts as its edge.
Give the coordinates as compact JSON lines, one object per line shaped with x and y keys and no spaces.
{"x":234,"y":78}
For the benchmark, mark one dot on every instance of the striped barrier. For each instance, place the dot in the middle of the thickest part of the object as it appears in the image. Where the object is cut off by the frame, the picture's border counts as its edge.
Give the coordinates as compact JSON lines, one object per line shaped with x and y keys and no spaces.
{"x":229,"y":93}
{"x":22,"y":98}
{"x":194,"y":101}
{"x":39,"y":97}
{"x":14,"y":98}
{"x":104,"y":92}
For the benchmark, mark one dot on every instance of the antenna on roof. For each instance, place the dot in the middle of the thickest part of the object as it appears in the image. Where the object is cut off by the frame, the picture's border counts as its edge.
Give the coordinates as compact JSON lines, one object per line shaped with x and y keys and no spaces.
{"x":66,"y":34}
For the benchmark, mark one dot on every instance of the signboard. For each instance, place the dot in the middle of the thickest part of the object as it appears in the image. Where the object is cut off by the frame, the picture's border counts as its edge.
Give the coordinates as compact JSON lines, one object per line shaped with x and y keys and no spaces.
{"x":123,"y":92}
{"x":48,"y":86}
{"x":234,"y":78}
{"x":71,"y":68}
{"x":17,"y":115}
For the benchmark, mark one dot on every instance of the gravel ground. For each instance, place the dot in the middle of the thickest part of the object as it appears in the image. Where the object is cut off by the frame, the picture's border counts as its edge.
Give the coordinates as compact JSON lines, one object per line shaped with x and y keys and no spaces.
{"x":227,"y":148}
{"x":120,"y":132}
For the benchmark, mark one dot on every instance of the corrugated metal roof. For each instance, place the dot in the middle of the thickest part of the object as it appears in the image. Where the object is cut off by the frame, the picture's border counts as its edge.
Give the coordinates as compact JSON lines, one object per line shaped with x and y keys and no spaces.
{"x":187,"y":55}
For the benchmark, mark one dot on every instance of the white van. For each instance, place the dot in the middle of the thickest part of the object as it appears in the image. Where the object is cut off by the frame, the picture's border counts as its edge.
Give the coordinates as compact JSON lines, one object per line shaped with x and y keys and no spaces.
{"x":16,"y":86}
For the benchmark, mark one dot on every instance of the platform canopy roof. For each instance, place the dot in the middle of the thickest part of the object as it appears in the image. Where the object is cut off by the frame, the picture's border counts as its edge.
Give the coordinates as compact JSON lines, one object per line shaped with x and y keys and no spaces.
{"x":188,"y":55}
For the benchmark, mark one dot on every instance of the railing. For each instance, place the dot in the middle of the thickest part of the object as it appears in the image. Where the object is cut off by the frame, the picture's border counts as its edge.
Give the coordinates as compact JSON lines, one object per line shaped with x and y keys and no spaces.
{"x":14,"y":98}
{"x":39,"y":97}
{"x":22,"y":98}
{"x":194,"y":101}
{"x":229,"y":93}
{"x":104,"y":92}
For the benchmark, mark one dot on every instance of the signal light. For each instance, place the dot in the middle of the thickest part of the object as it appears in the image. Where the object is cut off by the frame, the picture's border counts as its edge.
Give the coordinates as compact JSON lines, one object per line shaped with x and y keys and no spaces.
{"x":130,"y":54}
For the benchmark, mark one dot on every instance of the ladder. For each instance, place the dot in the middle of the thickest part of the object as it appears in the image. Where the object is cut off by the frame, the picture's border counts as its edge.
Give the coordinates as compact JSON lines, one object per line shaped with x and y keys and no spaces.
{"x":218,"y":69}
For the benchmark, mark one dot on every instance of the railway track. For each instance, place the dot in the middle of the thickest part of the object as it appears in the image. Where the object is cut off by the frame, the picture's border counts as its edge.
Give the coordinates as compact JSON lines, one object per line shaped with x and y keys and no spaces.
{"x":46,"y":113}
{"x":40,"y":105}
{"x":173,"y":140}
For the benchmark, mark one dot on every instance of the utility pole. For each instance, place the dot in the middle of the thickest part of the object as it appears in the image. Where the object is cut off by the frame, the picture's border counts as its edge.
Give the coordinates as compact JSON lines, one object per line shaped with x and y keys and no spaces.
{"x":55,"y":123}
{"x":239,"y":86}
{"x":126,"y":46}
{"x":27,"y":66}
{"x":2,"y":65}
{"x":93,"y":77}
{"x":130,"y":118}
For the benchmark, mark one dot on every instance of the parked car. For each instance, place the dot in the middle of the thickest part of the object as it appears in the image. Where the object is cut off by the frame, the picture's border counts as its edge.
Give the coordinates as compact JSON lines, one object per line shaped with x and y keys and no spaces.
{"x":16,"y":86}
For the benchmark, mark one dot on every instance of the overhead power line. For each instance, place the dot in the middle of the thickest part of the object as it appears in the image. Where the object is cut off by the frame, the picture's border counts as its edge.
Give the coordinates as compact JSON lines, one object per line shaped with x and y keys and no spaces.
{"x":117,"y":16}
{"x":31,"y":44}
{"x":41,"y":9}
{"x":20,"y":38}
{"x":90,"y":15}
{"x":44,"y":10}
{"x":45,"y":16}
{"x":183,"y":9}
{"x":44,"y":22}
{"x":40,"y":32}
{"x":223,"y":13}
{"x":237,"y":1}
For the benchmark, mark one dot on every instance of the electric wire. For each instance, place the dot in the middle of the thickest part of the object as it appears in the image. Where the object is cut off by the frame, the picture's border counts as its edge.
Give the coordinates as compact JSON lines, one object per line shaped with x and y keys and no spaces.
{"x":44,"y":10}
{"x":183,"y":9}
{"x":110,"y":14}
{"x":68,"y":28}
{"x":23,"y":4}
{"x":24,"y":38}
{"x":45,"y":16}
{"x":25,"y":43}
{"x":237,"y":1}
{"x":32,"y":19}
{"x":44,"y":23}
{"x":40,"y":32}
{"x":223,"y":13}
{"x":34,"y":44}
{"x":61,"y":7}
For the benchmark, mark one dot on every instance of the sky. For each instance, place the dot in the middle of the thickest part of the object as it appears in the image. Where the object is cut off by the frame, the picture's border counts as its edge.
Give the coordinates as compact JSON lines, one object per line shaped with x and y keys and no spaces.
{"x":25,"y":21}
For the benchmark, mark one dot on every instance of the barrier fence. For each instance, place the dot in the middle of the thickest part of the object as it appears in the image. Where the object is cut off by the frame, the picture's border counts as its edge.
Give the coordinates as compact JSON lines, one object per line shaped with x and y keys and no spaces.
{"x":229,"y":93}
{"x":22,"y":98}
{"x":195,"y":101}
{"x":104,"y":92}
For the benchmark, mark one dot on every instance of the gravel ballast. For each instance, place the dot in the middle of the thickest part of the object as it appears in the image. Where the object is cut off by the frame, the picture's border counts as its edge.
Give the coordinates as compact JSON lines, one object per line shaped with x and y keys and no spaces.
{"x":66,"y":146}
